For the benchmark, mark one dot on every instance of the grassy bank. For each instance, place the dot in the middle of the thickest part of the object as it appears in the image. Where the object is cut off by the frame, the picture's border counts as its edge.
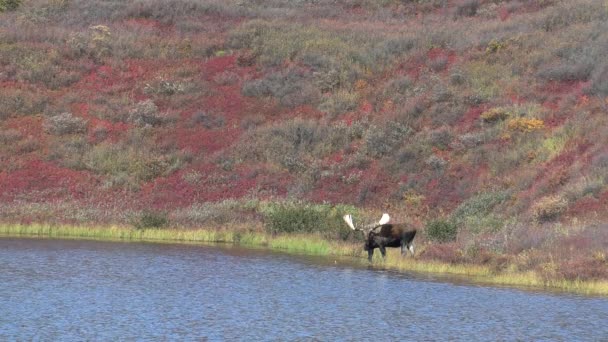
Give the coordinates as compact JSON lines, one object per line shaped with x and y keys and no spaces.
{"x":306,"y":244}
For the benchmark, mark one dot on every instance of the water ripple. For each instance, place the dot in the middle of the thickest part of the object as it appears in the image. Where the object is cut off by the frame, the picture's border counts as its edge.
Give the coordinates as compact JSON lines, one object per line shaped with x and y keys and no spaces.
{"x":76,"y":290}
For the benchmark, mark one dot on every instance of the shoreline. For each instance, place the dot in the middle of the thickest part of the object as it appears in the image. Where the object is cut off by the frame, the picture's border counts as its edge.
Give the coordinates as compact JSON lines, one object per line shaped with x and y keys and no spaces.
{"x":311,"y":245}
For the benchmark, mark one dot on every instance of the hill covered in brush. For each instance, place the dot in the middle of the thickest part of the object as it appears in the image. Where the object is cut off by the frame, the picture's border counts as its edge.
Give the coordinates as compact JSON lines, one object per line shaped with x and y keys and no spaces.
{"x":482,"y":121}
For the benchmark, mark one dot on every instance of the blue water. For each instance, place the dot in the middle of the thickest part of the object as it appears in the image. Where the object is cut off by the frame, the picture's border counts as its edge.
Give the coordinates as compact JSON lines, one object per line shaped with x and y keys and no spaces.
{"x":54,"y":290}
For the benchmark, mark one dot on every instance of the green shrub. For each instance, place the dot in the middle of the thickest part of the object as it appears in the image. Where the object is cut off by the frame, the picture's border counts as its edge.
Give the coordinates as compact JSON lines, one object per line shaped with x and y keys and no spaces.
{"x":301,"y":217}
{"x":467,"y":8}
{"x":441,"y":231}
{"x":275,"y":43}
{"x":339,"y":103}
{"x":436,"y":162}
{"x":145,"y":113}
{"x":488,"y":80}
{"x":15,"y":102}
{"x":475,"y":214}
{"x":130,"y":164}
{"x":440,"y":138}
{"x":398,"y":89}
{"x":208,"y":121}
{"x":479,"y":205}
{"x":599,"y":81}
{"x":571,"y":13}
{"x":294,"y":143}
{"x":9,"y":5}
{"x":381,"y":141}
{"x":291,"y":87}
{"x":151,"y":219}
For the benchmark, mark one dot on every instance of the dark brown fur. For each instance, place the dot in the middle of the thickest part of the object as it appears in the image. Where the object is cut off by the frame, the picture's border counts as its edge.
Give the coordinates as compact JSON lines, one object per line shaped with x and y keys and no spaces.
{"x":390,"y":235}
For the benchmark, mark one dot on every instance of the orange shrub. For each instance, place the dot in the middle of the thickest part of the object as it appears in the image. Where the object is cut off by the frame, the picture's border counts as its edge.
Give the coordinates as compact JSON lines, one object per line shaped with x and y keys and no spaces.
{"x":494,"y":114}
{"x":525,"y":124}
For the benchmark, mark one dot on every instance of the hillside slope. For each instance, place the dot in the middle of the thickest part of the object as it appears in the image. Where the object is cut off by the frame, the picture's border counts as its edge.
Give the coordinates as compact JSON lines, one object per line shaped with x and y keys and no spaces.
{"x":483,"y":121}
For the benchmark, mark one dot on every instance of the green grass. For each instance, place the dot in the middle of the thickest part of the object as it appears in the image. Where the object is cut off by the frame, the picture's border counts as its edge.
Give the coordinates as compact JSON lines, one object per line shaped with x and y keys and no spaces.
{"x":307,"y":244}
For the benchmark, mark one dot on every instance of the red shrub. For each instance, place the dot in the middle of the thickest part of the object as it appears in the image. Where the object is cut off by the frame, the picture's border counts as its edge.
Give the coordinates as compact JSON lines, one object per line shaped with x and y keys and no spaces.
{"x":470,"y":118}
{"x":44,"y":182}
{"x":583,"y":269}
{"x":445,"y":252}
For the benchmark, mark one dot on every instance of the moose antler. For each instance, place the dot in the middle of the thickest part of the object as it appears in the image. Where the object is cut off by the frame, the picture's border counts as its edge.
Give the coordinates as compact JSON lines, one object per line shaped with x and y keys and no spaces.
{"x":348,"y":218}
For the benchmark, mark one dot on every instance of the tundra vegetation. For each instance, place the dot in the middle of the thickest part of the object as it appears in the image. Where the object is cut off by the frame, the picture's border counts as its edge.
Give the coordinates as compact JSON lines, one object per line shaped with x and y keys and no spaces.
{"x":482,"y":123}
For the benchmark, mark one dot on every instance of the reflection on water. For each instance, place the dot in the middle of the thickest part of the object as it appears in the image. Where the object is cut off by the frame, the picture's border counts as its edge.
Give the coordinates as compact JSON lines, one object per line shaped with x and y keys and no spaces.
{"x":82,"y":290}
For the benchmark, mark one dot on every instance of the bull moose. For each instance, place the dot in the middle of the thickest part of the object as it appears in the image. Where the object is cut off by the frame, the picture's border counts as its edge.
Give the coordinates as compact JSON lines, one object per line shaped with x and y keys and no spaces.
{"x":384,"y":234}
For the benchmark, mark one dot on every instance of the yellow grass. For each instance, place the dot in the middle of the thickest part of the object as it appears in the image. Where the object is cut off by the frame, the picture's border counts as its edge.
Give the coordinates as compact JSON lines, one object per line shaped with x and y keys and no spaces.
{"x":308,"y":244}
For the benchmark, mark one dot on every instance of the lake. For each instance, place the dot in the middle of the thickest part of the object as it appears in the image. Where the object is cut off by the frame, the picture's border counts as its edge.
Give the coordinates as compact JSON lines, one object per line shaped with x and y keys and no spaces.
{"x":70,"y":290}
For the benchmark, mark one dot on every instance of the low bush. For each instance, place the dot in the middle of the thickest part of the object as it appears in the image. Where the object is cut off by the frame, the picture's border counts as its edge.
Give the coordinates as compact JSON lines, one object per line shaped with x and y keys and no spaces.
{"x":411,"y":157}
{"x":398,"y":89}
{"x":479,"y":205}
{"x":339,"y":103}
{"x":69,"y":151}
{"x":446,"y":252}
{"x":130,"y":164}
{"x":441,"y":231}
{"x":599,"y":81}
{"x":440,"y":138}
{"x":14,"y":102}
{"x":583,"y":269}
{"x":145,"y":113}
{"x":64,"y":123}
{"x":571,"y":13}
{"x":436,"y":162}
{"x":291,"y":88}
{"x":294,"y":143}
{"x":549,"y":208}
{"x":488,"y":80}
{"x":216,"y":213}
{"x":467,"y":8}
{"x":162,"y":86}
{"x":9,"y":136}
{"x":382,"y":141}
{"x":579,"y":68}
{"x":208,"y":121}
{"x":96,"y":43}
{"x":475,"y":214}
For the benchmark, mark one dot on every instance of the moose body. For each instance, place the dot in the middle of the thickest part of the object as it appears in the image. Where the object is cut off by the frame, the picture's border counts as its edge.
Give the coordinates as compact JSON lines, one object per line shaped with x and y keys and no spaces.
{"x":384,"y":235}
{"x":390,"y":235}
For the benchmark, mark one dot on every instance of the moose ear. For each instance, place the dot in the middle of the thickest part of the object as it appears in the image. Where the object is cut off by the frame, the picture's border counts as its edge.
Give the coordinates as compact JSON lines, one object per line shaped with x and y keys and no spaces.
{"x":385,"y":218}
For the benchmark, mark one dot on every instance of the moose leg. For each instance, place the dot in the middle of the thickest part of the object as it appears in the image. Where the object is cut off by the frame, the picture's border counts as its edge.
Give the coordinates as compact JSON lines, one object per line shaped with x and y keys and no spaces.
{"x":404,"y":248}
{"x":411,"y":248}
{"x":383,"y":251}
{"x":370,"y":254}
